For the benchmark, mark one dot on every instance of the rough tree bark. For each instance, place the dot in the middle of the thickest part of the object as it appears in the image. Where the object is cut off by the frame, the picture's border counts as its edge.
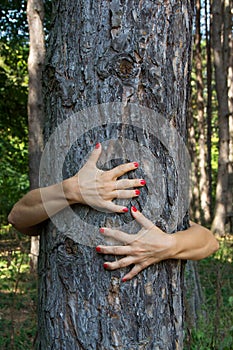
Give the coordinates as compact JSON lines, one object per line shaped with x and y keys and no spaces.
{"x":220,"y":41}
{"x":105,"y":51}
{"x":35,"y":15}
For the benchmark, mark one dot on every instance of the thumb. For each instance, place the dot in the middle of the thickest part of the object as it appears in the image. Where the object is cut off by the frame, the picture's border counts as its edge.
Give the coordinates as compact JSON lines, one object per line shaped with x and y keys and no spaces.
{"x":93,"y":159}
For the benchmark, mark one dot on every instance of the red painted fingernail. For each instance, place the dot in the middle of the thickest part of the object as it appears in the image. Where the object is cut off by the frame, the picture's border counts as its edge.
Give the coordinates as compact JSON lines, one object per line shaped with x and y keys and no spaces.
{"x":98,"y":249}
{"x":143,"y":182}
{"x":137,"y":192}
{"x":97,"y":145}
{"x":101,"y":230}
{"x":136,"y":164}
{"x":124,"y":279}
{"x":125,"y":210}
{"x":105,"y":265}
{"x":134,"y":209}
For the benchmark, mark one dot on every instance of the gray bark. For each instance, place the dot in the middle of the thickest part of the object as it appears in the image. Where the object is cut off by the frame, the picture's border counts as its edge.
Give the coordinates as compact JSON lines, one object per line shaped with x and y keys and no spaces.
{"x":105,"y":51}
{"x":35,"y":16}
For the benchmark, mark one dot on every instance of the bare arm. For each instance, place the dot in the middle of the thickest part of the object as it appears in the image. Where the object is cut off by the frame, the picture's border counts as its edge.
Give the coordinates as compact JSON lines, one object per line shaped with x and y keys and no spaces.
{"x":151,"y":245}
{"x":89,"y":186}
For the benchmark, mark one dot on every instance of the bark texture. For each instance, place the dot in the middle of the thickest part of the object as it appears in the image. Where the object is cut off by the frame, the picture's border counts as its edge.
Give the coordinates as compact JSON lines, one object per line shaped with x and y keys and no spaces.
{"x":35,"y":16}
{"x":105,"y":51}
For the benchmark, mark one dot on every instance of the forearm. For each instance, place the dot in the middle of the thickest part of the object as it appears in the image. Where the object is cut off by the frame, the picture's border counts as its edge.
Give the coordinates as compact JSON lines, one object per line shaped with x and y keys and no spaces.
{"x":195,"y":243}
{"x":40,"y":204}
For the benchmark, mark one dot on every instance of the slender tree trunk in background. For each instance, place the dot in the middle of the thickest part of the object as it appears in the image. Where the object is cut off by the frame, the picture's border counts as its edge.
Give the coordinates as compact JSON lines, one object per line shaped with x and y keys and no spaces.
{"x":208,"y":25}
{"x":35,"y":15}
{"x":104,"y":51}
{"x":230,"y":105}
{"x":221,"y":52}
{"x":203,"y":185}
{"x":195,"y":213}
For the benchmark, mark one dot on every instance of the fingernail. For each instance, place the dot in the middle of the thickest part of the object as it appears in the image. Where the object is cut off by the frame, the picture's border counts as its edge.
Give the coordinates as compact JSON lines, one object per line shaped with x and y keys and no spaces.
{"x":137,"y":192}
{"x":125,"y":210}
{"x":98,"y":249}
{"x":106,"y":265}
{"x":124,"y":279}
{"x":101,"y":230}
{"x":97,"y":145}
{"x":136,"y":164}
{"x":134,"y":209}
{"x":143,"y":182}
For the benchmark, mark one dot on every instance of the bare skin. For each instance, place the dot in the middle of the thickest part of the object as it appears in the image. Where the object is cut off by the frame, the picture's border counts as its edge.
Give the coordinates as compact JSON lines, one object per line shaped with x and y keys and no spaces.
{"x":151,"y":245}
{"x":90,"y":186}
{"x":96,"y":188}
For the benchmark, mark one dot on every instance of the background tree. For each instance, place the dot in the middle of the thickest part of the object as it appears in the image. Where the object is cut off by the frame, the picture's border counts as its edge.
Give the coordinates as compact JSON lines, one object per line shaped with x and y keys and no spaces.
{"x":35,"y":16}
{"x":201,"y":120}
{"x":220,"y":36}
{"x":209,"y":107}
{"x":97,"y":53}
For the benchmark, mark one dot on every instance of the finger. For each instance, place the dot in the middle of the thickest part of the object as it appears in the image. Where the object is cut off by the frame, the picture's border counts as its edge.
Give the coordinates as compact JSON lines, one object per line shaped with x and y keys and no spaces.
{"x":114,"y":208}
{"x":114,"y":250}
{"x":129,"y":183}
{"x":141,"y":219}
{"x":134,"y":271}
{"x":126,"y":194}
{"x":117,"y":235}
{"x":122,"y":169}
{"x":118,"y":264}
{"x":95,"y":154}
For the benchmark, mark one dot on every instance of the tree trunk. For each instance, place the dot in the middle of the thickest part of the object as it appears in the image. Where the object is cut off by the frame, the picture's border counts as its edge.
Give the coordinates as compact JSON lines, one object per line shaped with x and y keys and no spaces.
{"x":208,"y":25}
{"x":221,"y":52}
{"x":35,"y":15}
{"x":203,"y":185}
{"x":137,"y":55}
{"x":195,"y":213}
{"x":230,"y":106}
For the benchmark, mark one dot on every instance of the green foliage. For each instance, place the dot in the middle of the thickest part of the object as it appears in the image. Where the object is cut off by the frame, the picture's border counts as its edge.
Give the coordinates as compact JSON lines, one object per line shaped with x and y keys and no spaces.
{"x":14,"y":48}
{"x":215,"y":327}
{"x":13,"y":126}
{"x":18,"y":293}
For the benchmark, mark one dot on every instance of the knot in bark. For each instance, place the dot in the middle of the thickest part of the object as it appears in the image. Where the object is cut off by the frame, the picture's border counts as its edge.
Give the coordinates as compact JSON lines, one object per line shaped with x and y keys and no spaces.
{"x":125,"y":68}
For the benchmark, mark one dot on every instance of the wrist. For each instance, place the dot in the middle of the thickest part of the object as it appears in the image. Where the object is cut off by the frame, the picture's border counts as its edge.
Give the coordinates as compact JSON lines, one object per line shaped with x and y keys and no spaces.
{"x":71,"y":190}
{"x":173,"y":249}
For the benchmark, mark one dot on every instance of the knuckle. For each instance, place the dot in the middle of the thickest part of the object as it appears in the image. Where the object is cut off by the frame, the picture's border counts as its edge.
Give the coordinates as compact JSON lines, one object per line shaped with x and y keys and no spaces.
{"x":115,"y":250}
{"x":121,"y":263}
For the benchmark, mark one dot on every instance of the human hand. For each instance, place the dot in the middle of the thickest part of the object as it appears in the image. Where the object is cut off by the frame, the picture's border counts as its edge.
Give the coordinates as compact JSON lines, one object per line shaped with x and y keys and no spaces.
{"x":97,"y":188}
{"x":150,"y":245}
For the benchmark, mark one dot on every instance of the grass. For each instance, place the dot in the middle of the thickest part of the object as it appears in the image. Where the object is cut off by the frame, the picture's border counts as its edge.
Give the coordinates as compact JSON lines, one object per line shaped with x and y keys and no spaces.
{"x":214,"y":330}
{"x":18,"y":292}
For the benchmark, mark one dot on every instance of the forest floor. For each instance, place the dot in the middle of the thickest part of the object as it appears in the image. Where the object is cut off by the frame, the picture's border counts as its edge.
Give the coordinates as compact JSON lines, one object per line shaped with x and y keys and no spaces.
{"x":18,"y":293}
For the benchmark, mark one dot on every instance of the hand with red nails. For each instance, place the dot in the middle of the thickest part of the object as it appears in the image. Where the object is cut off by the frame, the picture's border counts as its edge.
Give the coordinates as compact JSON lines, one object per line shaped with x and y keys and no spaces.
{"x":90,"y":186}
{"x":97,"y":188}
{"x":151,"y":245}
